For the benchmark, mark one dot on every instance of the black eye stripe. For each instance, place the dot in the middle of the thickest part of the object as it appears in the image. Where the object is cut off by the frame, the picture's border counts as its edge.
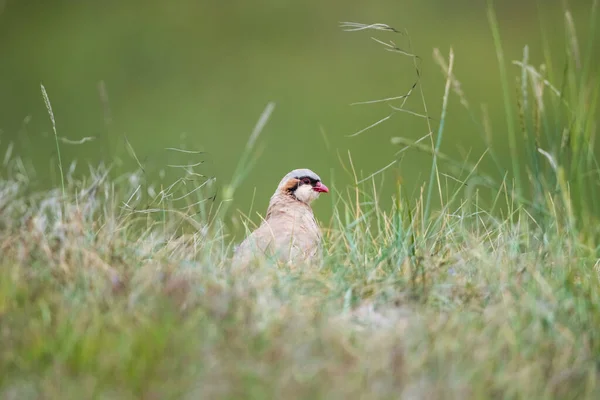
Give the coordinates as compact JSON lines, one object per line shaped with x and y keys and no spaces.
{"x":297,"y":181}
{"x":307,"y":180}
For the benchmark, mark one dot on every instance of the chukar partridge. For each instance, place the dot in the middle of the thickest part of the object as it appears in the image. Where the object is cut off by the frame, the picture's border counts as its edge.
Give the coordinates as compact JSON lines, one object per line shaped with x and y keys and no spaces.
{"x":289,"y":232}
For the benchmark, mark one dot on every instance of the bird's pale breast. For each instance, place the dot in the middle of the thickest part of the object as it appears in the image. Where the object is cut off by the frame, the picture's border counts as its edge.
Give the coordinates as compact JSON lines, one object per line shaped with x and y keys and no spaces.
{"x":290,"y":233}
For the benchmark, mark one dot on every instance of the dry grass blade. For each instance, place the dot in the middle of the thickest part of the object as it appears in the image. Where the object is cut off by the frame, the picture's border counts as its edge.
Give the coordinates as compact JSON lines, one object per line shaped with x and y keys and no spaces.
{"x":356,"y":26}
{"x":370,"y":126}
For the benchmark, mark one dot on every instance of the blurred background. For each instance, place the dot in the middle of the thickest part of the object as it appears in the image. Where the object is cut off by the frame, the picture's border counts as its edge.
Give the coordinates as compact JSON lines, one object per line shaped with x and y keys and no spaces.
{"x":198,"y":74}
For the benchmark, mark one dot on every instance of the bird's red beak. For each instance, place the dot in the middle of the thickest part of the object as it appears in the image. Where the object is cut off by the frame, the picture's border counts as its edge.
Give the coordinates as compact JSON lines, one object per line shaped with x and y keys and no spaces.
{"x":319,"y":187}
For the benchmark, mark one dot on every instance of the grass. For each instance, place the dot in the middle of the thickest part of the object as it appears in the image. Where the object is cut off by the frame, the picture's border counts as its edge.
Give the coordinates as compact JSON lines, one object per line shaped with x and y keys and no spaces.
{"x":119,"y":289}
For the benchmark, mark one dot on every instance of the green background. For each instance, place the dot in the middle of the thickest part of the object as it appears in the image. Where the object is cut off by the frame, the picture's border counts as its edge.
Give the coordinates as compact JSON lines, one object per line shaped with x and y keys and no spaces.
{"x":198,"y":74}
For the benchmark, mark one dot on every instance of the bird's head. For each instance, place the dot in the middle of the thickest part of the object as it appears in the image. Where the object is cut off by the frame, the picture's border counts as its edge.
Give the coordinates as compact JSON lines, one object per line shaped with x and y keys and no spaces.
{"x":302,"y":185}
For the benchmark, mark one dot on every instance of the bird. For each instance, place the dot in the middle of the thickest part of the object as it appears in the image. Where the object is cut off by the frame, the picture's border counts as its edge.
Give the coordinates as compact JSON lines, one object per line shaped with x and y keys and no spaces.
{"x":289,"y":233}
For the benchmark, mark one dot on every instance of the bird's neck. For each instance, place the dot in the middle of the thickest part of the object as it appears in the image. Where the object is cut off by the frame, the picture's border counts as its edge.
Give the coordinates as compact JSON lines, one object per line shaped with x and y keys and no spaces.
{"x":283,"y":203}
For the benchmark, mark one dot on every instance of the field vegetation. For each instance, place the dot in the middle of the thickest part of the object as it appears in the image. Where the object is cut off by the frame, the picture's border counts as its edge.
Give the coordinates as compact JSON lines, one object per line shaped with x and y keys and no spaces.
{"x":472,"y":286}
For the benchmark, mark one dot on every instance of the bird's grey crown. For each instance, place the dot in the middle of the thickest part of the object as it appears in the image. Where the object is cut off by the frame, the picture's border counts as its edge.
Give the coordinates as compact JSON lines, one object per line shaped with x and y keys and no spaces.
{"x":302,"y":172}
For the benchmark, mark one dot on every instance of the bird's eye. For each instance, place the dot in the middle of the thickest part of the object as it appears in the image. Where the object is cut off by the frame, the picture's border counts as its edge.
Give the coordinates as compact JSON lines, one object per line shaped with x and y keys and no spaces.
{"x":306,"y":181}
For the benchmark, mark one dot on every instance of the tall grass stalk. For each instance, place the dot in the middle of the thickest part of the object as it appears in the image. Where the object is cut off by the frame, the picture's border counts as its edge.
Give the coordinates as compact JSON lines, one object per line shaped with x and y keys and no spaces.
{"x":510,"y":122}
{"x":438,"y":143}
{"x":51,"y":114}
{"x":244,"y":165}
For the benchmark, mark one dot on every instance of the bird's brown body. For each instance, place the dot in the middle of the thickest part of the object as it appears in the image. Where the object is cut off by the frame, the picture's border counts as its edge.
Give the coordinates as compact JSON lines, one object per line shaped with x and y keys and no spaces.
{"x":289,"y":233}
